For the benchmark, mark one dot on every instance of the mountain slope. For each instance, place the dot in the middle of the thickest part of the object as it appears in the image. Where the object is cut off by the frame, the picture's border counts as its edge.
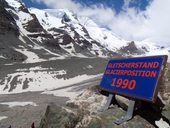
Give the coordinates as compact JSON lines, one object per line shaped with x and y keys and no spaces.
{"x":49,"y":34}
{"x":57,"y":46}
{"x":44,"y":36}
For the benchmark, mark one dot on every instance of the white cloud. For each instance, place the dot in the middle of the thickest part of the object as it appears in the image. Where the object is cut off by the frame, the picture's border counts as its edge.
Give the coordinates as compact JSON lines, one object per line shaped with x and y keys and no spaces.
{"x":131,"y":24}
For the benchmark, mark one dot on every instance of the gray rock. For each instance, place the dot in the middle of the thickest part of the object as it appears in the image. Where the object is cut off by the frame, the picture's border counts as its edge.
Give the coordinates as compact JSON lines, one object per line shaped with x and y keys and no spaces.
{"x":131,"y":49}
{"x":164,"y":91}
{"x":123,"y":102}
{"x":57,"y":117}
{"x":108,"y":117}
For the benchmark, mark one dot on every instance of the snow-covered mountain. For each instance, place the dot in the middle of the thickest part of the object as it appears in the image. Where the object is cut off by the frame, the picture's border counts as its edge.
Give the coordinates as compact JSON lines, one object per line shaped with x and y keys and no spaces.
{"x":42,"y":36}
{"x":53,"y":33}
{"x":36,"y":43}
{"x":58,"y":33}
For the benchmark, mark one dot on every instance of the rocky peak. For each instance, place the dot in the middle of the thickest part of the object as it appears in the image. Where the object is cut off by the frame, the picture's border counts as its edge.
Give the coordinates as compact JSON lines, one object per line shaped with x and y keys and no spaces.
{"x":131,"y":49}
{"x":3,"y":3}
{"x":66,"y":18}
{"x":33,"y":25}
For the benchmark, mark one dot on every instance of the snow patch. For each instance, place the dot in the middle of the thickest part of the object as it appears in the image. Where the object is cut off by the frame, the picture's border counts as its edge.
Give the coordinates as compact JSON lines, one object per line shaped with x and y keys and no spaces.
{"x":39,"y":81}
{"x":3,"y":117}
{"x":106,"y":37}
{"x":24,"y":17}
{"x":21,"y":38}
{"x":14,"y":3}
{"x":31,"y":56}
{"x":162,"y":124}
{"x":70,"y":92}
{"x":37,"y":68}
{"x":153,"y":49}
{"x":65,"y":92}
{"x":2,"y":57}
{"x":70,"y":50}
{"x":89,"y":67}
{"x":15,"y":103}
{"x":46,"y":19}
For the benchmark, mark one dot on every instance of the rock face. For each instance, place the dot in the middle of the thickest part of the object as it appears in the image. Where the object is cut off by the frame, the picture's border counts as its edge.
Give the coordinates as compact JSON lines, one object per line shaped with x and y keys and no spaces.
{"x":35,"y":31}
{"x":7,"y":22}
{"x":165,"y":86}
{"x":33,"y":25}
{"x":164,"y":93}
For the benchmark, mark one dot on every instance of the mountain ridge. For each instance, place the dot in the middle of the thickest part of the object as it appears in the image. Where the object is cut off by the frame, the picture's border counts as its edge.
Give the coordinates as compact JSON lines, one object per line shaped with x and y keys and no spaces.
{"x":46,"y":36}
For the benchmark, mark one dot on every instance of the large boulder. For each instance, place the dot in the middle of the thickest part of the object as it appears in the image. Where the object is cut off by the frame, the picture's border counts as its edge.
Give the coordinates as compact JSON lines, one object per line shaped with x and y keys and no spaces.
{"x":78,"y":113}
{"x":58,"y":117}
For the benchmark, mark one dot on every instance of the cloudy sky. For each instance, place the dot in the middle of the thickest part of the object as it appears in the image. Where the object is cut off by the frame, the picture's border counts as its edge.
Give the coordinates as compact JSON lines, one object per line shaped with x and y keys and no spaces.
{"x":131,"y":19}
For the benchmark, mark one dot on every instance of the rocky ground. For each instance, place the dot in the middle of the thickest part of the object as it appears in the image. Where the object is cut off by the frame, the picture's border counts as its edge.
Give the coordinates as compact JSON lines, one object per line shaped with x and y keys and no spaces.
{"x":84,"y":112}
{"x":24,"y":116}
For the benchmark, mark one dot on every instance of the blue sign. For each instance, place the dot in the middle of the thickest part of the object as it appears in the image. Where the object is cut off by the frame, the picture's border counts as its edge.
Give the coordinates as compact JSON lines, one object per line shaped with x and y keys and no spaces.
{"x":134,"y":77}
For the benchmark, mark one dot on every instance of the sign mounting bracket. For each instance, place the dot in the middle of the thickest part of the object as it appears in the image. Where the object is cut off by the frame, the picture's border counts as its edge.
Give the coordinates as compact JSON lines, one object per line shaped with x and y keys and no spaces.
{"x":128,"y":115}
{"x":109,"y":100}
